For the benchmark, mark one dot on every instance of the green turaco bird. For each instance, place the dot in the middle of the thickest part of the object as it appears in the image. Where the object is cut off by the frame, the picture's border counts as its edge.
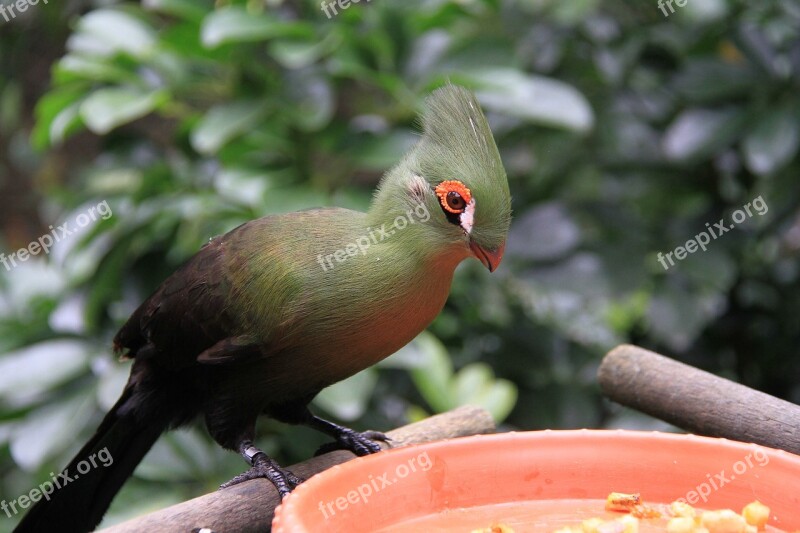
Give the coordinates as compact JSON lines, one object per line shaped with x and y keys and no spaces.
{"x":264,"y":317}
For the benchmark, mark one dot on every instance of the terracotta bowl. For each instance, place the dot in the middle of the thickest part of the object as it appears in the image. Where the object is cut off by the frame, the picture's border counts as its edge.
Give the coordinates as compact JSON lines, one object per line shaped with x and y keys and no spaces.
{"x":539,"y":481}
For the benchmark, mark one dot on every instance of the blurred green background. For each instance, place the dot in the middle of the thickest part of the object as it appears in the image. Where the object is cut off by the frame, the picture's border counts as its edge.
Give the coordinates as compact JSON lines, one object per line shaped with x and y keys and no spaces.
{"x":623,"y":131}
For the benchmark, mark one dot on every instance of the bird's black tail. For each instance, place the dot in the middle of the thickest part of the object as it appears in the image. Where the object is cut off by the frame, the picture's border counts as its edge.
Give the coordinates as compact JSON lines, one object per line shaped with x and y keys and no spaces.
{"x":81,"y":494}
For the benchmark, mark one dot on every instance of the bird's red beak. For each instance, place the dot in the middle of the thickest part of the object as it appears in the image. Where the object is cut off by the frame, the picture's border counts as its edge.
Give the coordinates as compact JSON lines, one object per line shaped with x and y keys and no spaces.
{"x":490,"y":258}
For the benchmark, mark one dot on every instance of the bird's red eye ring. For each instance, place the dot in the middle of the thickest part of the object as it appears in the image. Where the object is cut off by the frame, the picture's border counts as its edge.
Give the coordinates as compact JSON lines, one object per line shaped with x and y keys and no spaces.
{"x":453,"y":195}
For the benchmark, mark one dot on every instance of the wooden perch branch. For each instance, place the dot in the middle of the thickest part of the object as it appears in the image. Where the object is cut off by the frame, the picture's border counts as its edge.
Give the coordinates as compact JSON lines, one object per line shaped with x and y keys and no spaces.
{"x":698,"y":401}
{"x":249,"y":507}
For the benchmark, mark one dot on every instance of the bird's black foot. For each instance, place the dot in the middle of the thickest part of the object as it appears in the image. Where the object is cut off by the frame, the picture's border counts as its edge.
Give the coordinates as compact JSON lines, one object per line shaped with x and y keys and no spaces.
{"x":264,"y":467}
{"x":358,"y":443}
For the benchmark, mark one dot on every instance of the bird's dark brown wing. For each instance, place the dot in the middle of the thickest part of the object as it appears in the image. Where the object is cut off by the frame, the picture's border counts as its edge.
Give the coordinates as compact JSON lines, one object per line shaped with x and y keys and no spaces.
{"x":186,"y":316}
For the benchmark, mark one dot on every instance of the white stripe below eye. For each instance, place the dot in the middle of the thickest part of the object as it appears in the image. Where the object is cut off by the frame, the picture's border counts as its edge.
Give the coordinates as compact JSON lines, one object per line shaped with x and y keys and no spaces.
{"x":468,"y":216}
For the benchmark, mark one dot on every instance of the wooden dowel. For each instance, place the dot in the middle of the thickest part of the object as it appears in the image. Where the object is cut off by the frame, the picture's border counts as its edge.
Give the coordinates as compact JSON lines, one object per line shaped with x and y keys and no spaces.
{"x":698,"y":401}
{"x":249,"y":506}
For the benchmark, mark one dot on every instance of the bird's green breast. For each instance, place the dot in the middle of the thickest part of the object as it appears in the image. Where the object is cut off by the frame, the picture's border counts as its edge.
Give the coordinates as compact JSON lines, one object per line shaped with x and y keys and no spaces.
{"x":329,"y":295}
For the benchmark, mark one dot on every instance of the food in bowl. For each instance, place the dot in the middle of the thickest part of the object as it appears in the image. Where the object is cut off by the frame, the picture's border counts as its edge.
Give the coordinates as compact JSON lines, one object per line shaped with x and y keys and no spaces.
{"x":677,"y":517}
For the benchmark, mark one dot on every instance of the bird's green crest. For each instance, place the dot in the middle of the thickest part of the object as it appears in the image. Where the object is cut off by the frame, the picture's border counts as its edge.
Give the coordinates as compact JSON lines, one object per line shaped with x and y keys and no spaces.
{"x":458,"y":145}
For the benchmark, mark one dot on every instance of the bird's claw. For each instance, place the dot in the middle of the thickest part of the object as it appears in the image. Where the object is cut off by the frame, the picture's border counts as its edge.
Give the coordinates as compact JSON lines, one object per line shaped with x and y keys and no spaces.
{"x":263,"y":467}
{"x":359,"y":443}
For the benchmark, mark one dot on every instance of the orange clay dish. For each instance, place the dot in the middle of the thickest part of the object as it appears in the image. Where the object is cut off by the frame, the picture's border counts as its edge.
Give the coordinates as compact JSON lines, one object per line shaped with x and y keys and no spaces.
{"x":677,"y":517}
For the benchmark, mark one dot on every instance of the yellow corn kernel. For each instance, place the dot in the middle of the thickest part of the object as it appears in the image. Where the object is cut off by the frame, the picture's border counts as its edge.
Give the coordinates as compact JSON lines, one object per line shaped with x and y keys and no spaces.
{"x":680,"y":524}
{"x":682,"y":509}
{"x":756,"y":514}
{"x":630,"y":523}
{"x":500,"y":528}
{"x":724,"y":521}
{"x":619,"y":501}
{"x":592,"y":525}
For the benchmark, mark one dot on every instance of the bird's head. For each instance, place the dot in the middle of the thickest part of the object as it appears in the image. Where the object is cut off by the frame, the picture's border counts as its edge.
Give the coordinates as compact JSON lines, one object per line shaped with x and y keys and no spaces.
{"x":456,"y":172}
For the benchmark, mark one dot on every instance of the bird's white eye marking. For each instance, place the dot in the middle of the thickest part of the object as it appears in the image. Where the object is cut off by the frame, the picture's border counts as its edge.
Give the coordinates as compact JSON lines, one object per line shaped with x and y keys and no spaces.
{"x":468,"y":217}
{"x":417,"y":187}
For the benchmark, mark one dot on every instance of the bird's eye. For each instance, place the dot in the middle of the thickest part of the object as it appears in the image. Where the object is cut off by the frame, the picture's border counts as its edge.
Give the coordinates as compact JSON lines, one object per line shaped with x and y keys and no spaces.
{"x":454,"y":196}
{"x":455,"y":201}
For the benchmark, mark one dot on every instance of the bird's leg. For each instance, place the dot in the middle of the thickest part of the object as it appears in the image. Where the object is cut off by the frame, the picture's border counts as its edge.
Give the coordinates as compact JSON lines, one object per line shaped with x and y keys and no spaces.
{"x":346,"y":439}
{"x":261,"y":466}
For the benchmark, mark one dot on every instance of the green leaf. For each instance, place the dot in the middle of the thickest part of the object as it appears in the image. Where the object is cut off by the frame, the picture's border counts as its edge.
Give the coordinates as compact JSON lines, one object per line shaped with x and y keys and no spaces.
{"x":31,"y":371}
{"x":180,"y":44}
{"x":236,"y":24}
{"x":677,"y":315}
{"x":380,"y":152}
{"x":243,"y":185}
{"x":224,"y":122}
{"x":348,"y":399}
{"x":432,"y":377}
{"x":293,"y":53}
{"x":573,"y":12}
{"x":475,"y":384}
{"x":711,"y":80}
{"x":112,"y":381}
{"x":91,"y":68}
{"x":773,"y":142}
{"x":408,"y":357}
{"x":10,"y":106}
{"x":698,"y":133}
{"x":552,"y":219}
{"x":186,"y":9}
{"x":415,"y":413}
{"x":67,"y":122}
{"x":49,"y":108}
{"x":106,"y":32}
{"x":49,"y":430}
{"x":471,"y":381}
{"x":105,"y":109}
{"x":705,"y":12}
{"x":535,"y":98}
{"x":178,"y":456}
{"x":117,"y":180}
{"x":499,"y":399}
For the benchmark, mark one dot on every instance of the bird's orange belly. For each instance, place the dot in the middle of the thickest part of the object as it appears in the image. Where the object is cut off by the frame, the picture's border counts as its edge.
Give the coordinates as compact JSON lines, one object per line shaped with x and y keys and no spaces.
{"x":362,"y":340}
